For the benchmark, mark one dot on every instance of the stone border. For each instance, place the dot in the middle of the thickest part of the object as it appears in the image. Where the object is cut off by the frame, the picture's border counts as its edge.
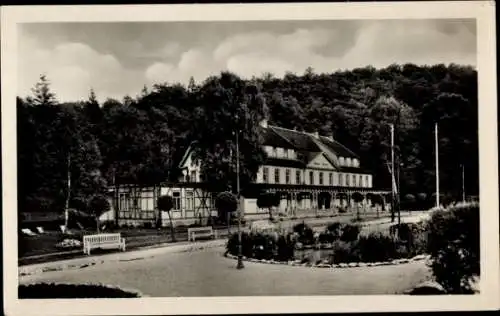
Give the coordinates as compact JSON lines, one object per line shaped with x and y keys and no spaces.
{"x":139,"y":254}
{"x":340,"y":265}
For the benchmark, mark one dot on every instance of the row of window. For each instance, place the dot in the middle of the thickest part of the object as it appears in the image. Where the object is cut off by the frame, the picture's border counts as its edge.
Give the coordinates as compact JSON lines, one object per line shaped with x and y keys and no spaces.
{"x":144,"y":206}
{"x":278,"y":152}
{"x":324,"y":178}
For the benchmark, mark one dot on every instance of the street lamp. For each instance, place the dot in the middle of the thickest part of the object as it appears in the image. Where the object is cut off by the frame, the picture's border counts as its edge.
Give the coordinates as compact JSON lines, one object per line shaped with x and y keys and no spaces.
{"x":240,"y":250}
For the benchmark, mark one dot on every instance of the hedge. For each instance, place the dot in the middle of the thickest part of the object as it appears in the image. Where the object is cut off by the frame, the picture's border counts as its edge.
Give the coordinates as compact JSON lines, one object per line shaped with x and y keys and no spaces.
{"x":52,"y":290}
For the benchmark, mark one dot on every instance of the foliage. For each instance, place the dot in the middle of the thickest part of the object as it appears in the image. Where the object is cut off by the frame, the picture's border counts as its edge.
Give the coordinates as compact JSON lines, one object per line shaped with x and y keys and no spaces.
{"x":99,"y":205}
{"x":376,"y":247}
{"x":226,"y":204}
{"x":262,"y":246}
{"x":305,"y":233}
{"x":350,"y":232}
{"x":268,"y":200}
{"x":53,"y":290}
{"x":345,"y":252}
{"x":141,"y":139}
{"x":453,"y":243}
{"x":165,"y":203}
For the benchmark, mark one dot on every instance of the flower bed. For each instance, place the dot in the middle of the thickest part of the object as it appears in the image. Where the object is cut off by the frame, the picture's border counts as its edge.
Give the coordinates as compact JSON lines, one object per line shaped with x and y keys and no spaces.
{"x":338,"y":244}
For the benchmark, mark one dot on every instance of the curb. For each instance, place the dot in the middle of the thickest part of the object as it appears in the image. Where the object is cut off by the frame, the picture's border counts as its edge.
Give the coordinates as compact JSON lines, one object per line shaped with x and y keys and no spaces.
{"x":138,"y":254}
{"x":298,"y":263}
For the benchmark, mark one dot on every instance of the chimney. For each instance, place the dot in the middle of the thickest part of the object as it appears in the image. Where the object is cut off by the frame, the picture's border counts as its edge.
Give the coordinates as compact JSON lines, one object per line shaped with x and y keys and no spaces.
{"x":263,"y":123}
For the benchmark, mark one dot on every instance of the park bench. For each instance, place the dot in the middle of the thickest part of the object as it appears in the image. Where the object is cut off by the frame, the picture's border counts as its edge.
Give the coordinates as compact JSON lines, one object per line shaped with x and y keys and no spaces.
{"x":195,"y":232}
{"x":103,"y":241}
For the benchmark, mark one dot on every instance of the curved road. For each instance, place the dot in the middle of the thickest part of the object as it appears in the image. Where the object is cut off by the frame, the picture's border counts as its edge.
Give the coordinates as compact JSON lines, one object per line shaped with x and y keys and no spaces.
{"x":208,"y":273}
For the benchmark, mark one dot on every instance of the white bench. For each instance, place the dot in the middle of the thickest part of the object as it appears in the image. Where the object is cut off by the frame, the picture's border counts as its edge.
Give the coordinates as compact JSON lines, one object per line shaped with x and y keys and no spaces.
{"x":194,"y":232}
{"x":103,"y":241}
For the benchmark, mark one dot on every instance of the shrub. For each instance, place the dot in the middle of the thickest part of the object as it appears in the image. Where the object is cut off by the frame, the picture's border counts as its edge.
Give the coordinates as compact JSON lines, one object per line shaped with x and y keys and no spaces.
{"x":51,"y":290}
{"x":453,"y":243}
{"x":286,"y":248}
{"x":345,"y":252}
{"x":334,"y":229}
{"x":306,"y":234}
{"x":350,"y":233}
{"x":376,"y":247}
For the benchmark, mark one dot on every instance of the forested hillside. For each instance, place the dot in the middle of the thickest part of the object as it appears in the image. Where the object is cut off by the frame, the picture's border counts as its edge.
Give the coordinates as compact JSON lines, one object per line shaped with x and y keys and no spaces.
{"x":140,"y":139}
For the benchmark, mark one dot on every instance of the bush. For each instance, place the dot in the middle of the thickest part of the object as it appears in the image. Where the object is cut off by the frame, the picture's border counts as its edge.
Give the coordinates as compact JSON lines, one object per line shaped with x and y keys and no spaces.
{"x":51,"y":290}
{"x":453,"y":243}
{"x":345,"y":252}
{"x":350,"y":233}
{"x":377,"y":247}
{"x":334,"y":229}
{"x":306,"y":234}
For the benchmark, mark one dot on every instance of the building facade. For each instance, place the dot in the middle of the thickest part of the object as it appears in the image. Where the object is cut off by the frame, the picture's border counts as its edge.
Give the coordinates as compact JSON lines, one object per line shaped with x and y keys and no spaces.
{"x":312,"y":173}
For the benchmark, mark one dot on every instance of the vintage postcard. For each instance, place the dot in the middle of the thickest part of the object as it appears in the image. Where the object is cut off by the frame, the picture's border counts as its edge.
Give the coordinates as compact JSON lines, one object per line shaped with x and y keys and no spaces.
{"x":267,"y":158}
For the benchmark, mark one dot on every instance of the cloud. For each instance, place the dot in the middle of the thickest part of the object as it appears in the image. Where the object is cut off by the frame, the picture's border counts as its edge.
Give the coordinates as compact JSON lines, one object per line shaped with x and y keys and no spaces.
{"x":75,"y":67}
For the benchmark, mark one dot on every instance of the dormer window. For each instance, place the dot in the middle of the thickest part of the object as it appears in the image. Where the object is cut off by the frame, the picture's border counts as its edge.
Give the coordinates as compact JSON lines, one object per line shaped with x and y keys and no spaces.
{"x":355,"y":163}
{"x":341,"y":161}
{"x":275,"y":152}
{"x":348,"y":162}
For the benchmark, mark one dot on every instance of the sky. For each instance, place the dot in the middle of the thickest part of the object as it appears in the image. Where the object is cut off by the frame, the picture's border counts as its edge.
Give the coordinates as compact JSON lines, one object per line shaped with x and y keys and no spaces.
{"x":118,"y":59}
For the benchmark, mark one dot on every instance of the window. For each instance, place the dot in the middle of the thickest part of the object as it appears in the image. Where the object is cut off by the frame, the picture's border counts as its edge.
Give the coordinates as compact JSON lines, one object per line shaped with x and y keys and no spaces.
{"x":341,"y":179}
{"x":311,"y":177}
{"x":193,"y":176}
{"x":276,"y":176}
{"x":367,"y":181}
{"x":321,"y":178}
{"x":341,"y":161}
{"x":347,"y":182}
{"x":285,"y":153}
{"x":290,"y":154}
{"x":189,"y":201}
{"x":353,"y":180}
{"x":330,"y":181}
{"x":297,"y":177}
{"x":355,"y":162}
{"x":359,"y":181}
{"x":275,"y":152}
{"x":348,"y":162}
{"x":265,"y":175}
{"x":177,"y":201}
{"x":287,"y":176}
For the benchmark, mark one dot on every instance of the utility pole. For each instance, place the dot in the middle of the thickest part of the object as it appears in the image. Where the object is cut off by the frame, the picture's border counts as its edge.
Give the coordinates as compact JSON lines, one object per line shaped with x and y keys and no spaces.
{"x":68,"y":192}
{"x":463,"y":183}
{"x":393,"y":180}
{"x":437,"y":164}
{"x":240,"y":250}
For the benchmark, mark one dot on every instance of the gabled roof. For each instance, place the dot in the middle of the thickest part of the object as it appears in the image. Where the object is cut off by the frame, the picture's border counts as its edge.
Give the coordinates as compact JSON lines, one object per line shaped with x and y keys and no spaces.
{"x":337,"y":147}
{"x":301,"y":141}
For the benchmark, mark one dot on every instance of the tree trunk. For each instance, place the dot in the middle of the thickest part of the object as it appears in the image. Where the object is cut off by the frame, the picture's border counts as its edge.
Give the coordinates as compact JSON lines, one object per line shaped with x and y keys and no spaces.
{"x":171,"y":227}
{"x":228,"y":222}
{"x":97,"y":223}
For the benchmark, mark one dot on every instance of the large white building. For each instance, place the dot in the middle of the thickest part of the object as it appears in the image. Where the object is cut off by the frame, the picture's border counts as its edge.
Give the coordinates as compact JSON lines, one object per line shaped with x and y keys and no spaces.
{"x":309,"y":171}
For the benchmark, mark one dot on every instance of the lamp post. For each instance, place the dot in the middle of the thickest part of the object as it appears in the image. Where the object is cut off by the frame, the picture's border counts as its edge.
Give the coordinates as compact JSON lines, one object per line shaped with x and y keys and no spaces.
{"x":238,"y":209}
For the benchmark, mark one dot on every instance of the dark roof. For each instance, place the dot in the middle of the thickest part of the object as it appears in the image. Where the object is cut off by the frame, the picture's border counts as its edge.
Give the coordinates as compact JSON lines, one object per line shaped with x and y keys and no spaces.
{"x":337,"y":147}
{"x":300,"y":140}
{"x":284,"y":163}
{"x":271,"y":138}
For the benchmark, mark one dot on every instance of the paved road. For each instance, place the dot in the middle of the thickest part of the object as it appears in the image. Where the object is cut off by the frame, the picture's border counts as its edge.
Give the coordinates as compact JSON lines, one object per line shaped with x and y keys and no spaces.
{"x":208,"y":273}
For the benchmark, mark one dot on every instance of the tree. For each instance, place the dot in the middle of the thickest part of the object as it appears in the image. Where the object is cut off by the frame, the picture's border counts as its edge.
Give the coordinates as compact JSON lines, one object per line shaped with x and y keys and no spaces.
{"x":165,"y":203}
{"x":228,"y":105}
{"x":226,"y":204}
{"x":98,"y":205}
{"x":42,"y":94}
{"x":357,"y":197}
{"x":268,"y":200}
